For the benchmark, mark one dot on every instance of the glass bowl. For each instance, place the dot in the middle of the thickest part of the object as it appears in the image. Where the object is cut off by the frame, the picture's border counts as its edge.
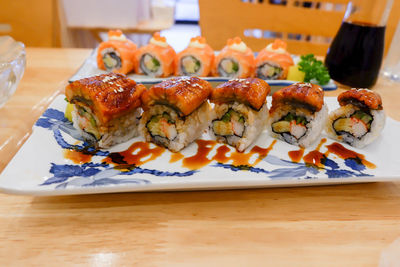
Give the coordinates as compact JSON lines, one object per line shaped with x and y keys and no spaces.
{"x":12,"y":66}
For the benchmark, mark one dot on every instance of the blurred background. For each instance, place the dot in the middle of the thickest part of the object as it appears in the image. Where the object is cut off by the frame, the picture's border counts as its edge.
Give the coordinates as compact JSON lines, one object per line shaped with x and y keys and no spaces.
{"x":306,"y":26}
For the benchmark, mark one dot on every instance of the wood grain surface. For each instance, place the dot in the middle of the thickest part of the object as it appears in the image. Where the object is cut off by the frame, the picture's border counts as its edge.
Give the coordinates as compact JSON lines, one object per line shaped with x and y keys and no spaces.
{"x":344,"y":225}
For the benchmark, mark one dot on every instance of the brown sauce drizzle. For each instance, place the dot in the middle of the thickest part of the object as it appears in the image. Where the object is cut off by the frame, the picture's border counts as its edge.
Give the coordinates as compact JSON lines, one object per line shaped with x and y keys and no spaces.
{"x":177,"y":156}
{"x":199,"y":160}
{"x":236,"y":158}
{"x":262,"y":152}
{"x":76,"y":156}
{"x":296,"y":155}
{"x":345,"y":153}
{"x":240,"y":158}
{"x":137,"y":154}
{"x":315,"y":157}
{"x":221,"y":154}
{"x":141,"y":152}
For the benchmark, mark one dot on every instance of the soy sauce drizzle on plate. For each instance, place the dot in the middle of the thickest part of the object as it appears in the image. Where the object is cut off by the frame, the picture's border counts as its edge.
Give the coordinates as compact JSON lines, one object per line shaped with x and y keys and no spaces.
{"x":240,"y":159}
{"x":345,"y":153}
{"x":296,"y":155}
{"x":137,"y":154}
{"x":80,"y":155}
{"x":140,"y":153}
{"x":315,"y":157}
{"x":176,"y":156}
{"x":199,"y":160}
{"x":77,"y":156}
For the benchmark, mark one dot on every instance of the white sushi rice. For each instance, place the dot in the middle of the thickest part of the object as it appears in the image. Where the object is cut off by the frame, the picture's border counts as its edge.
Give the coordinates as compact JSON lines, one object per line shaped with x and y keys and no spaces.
{"x":315,"y":125}
{"x":377,"y":126}
{"x":117,"y":131}
{"x":189,"y":128}
{"x":254,"y":124}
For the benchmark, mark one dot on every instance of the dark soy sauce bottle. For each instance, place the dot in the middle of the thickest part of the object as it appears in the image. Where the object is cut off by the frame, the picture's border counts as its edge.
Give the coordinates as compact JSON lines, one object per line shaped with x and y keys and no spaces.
{"x":355,"y":55}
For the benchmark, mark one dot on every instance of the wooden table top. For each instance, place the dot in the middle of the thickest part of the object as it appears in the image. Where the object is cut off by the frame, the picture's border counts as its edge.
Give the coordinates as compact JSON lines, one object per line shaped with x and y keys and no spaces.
{"x":310,"y":226}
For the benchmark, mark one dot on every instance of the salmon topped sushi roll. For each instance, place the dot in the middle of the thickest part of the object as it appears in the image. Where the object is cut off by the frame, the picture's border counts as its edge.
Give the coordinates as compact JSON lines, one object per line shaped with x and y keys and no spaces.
{"x":106,"y":108}
{"x":360,"y":118}
{"x":117,"y":54}
{"x":196,"y":59}
{"x":297,"y":114}
{"x":176,"y":112}
{"x":273,"y":62}
{"x":156,"y":59}
{"x":240,"y":111}
{"x":236,"y":60}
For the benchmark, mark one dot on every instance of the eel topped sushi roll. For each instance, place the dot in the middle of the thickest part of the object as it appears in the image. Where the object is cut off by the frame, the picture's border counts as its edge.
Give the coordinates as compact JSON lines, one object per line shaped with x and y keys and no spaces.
{"x":240,"y":111}
{"x":236,"y":60}
{"x":297,"y":114}
{"x":273,"y":62}
{"x":156,"y":59}
{"x":196,"y":59}
{"x":176,"y":112}
{"x":106,"y":108}
{"x":117,"y":54}
{"x":360,"y":118}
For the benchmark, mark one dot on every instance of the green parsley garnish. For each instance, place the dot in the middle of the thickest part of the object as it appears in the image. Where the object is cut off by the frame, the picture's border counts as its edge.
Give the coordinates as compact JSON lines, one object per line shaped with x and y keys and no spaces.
{"x":314,"y":69}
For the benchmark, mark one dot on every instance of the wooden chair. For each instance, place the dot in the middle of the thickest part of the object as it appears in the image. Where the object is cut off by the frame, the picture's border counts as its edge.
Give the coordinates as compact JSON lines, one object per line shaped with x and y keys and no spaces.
{"x":307,"y":27}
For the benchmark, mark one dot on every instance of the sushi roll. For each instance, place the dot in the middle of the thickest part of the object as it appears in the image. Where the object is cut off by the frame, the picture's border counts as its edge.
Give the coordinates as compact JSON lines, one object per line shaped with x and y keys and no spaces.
{"x":196,"y":59}
{"x":106,"y":108}
{"x":236,"y":60}
{"x":273,"y":62}
{"x":156,"y":59}
{"x":176,"y":112}
{"x":359,"y":120}
{"x":298,"y":114}
{"x":117,"y":54}
{"x":240,"y":111}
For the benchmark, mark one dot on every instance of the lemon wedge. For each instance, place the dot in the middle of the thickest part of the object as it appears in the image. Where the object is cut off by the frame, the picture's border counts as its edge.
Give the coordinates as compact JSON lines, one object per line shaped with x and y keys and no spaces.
{"x":68,"y":111}
{"x":294,"y":74}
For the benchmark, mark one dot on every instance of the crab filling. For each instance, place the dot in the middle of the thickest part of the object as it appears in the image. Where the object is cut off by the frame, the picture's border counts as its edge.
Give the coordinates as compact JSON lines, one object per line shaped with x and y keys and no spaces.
{"x":149,"y":64}
{"x":190,"y":65}
{"x":357,"y":125}
{"x":231,"y":124}
{"x":87,"y":122}
{"x":291,"y":127}
{"x":269,"y":71}
{"x":228,"y":67}
{"x":162,"y":128}
{"x":111,"y":60}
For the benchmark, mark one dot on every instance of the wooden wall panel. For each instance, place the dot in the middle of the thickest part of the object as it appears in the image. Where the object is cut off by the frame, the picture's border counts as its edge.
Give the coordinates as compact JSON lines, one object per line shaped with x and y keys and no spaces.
{"x":32,"y":22}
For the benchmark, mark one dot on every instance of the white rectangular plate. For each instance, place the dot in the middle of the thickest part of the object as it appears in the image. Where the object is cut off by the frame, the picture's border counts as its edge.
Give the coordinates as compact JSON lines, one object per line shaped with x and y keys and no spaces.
{"x":41,"y":168}
{"x":89,"y":68}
